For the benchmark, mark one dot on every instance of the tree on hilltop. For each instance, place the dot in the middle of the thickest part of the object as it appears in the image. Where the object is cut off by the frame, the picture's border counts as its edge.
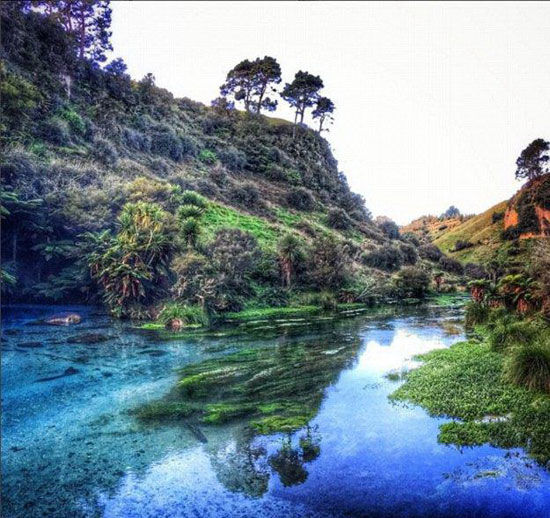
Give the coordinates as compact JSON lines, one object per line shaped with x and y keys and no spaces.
{"x":534,"y":160}
{"x":302,"y":93}
{"x":250,"y":81}
{"x":323,"y":111}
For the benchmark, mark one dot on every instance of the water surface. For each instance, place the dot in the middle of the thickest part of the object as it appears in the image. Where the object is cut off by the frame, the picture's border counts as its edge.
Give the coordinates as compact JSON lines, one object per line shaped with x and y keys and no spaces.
{"x":71,"y":446}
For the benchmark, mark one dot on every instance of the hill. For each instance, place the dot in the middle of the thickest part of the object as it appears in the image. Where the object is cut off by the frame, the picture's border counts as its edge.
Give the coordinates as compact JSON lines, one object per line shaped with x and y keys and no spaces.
{"x":115,"y":190}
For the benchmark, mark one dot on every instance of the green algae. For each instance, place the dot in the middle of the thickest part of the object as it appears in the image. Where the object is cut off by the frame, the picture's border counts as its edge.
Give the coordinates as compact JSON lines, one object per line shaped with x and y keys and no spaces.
{"x":276,"y":388}
{"x":466,"y":382}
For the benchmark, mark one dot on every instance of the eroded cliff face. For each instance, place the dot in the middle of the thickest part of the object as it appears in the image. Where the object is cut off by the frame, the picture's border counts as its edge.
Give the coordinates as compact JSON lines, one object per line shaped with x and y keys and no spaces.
{"x":528,"y":211}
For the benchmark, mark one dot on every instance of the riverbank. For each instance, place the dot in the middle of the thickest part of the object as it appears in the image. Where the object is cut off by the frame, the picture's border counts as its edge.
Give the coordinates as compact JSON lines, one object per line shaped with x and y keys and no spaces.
{"x":467,"y":383}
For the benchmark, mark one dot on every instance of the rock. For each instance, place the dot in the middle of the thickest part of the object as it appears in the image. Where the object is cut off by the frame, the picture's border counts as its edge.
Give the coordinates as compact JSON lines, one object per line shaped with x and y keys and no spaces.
{"x":154,"y":352}
{"x":175,"y":324}
{"x":63,"y":319}
{"x":88,"y":338}
{"x":30,"y":345}
{"x":68,"y":372}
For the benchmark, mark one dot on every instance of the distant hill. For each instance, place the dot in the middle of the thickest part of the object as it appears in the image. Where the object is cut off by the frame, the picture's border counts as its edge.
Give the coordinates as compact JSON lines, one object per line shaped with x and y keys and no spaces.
{"x":505,"y":230}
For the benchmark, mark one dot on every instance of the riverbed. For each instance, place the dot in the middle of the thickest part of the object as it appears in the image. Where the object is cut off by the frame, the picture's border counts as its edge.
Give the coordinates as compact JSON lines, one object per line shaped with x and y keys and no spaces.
{"x":72,"y":445}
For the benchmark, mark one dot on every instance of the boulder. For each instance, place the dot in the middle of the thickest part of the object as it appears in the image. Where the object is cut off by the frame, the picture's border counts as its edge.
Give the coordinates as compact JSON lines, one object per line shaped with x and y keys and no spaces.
{"x":63,"y":319}
{"x":175,"y":324}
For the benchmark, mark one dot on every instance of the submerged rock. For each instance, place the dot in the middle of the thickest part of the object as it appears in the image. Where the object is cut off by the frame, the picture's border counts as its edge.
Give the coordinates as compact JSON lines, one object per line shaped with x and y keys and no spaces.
{"x":30,"y":345}
{"x":68,"y":372}
{"x":153,"y":352}
{"x":89,"y":338}
{"x":63,"y":319}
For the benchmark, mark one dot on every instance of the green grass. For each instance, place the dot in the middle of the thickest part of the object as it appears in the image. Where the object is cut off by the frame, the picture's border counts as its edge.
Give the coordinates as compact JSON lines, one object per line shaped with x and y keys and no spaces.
{"x":467,"y":382}
{"x":479,"y":230}
{"x":217,"y":217}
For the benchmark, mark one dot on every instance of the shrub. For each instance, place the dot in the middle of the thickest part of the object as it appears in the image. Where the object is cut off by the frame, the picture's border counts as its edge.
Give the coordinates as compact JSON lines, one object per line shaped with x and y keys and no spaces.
{"x":409,"y":253}
{"x":300,"y":199}
{"x":233,"y":159}
{"x":328,"y":263}
{"x":476,"y":314}
{"x":339,"y":219}
{"x":386,"y":257}
{"x":105,"y":151}
{"x":167,"y":144}
{"x":207,"y":156}
{"x":462,"y":244}
{"x":389,"y":228}
{"x":507,"y":332}
{"x":194,"y":198}
{"x":246,"y":195}
{"x":189,"y":269}
{"x":497,"y":216}
{"x":430,"y":252}
{"x":409,"y":237}
{"x":190,"y":211}
{"x":189,"y":315}
{"x":189,"y":146}
{"x":273,"y":297}
{"x":450,"y":265}
{"x":475,"y":271}
{"x":136,"y":140}
{"x":412,"y":282}
{"x":56,"y":131}
{"x":511,"y":233}
{"x":529,"y":366}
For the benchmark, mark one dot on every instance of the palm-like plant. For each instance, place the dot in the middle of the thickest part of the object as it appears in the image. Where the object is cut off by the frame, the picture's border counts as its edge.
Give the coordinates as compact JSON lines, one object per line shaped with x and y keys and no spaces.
{"x":290,"y":253}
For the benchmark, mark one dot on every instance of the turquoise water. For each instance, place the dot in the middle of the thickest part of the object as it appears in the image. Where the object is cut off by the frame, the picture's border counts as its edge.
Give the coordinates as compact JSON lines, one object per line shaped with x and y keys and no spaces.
{"x":71,"y":446}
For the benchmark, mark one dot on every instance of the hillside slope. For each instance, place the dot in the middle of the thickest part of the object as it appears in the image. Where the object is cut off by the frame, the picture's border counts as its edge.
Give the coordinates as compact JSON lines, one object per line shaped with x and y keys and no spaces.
{"x":95,"y":162}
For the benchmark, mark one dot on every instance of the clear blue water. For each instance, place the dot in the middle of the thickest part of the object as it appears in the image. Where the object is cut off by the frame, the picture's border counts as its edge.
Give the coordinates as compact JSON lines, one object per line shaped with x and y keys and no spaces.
{"x":71,"y":446}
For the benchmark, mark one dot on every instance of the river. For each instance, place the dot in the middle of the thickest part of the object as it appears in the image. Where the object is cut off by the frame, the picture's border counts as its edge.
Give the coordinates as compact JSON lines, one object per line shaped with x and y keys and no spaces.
{"x":73,"y":447}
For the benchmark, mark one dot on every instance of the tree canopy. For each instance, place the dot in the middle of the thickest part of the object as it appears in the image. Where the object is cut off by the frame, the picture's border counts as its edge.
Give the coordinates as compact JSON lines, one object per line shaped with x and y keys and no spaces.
{"x":534,"y":160}
{"x":250,"y":81}
{"x":323,"y":111}
{"x":302,"y":93}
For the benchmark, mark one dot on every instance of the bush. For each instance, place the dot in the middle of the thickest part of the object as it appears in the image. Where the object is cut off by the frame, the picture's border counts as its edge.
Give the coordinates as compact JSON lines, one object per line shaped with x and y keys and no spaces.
{"x":300,"y":199}
{"x":136,"y":140}
{"x":189,"y":315}
{"x":462,"y":245}
{"x":386,"y":257}
{"x":497,"y":216}
{"x":475,"y":271}
{"x":233,"y":159}
{"x":476,"y":314}
{"x":389,"y":228}
{"x":273,"y":297}
{"x":246,"y":195}
{"x":529,"y":366}
{"x":409,"y":253}
{"x":450,"y":265}
{"x":56,"y":131}
{"x":511,"y":233}
{"x":507,"y":332}
{"x":207,"y":156}
{"x":412,"y":282}
{"x":339,"y":219}
{"x":193,"y":198}
{"x":166,"y":143}
{"x":105,"y":151}
{"x":430,"y":252}
{"x":409,"y":237}
{"x":328,"y":263}
{"x":189,"y":146}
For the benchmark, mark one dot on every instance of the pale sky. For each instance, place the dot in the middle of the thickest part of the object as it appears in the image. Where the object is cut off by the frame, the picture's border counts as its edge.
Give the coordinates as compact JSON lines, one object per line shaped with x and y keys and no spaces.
{"x":434,"y":101}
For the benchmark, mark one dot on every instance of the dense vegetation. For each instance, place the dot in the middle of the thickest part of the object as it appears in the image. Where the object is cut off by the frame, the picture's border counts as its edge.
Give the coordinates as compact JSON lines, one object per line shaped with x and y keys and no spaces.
{"x":115,"y":191}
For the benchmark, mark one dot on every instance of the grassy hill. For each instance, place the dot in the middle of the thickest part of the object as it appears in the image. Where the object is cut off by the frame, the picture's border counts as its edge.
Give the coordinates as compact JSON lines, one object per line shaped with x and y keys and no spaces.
{"x":96,"y":161}
{"x":482,"y":232}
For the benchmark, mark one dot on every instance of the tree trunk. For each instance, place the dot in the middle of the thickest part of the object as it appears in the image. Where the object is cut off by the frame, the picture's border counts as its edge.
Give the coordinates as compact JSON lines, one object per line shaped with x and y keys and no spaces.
{"x":14,"y":247}
{"x":82,"y":32}
{"x":262,"y":93}
{"x":320,"y":125}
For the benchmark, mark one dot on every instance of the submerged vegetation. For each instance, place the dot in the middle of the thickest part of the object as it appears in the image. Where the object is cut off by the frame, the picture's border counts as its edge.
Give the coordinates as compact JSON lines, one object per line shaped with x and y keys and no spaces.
{"x":276,"y":389}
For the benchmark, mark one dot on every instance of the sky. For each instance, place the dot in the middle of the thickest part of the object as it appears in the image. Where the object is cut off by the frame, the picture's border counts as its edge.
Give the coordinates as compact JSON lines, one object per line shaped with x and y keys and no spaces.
{"x":434,"y":101}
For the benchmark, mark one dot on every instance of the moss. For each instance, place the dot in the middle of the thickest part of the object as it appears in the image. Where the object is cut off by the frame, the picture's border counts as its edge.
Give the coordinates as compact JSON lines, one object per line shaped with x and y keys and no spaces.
{"x":278,"y":423}
{"x":466,"y":382}
{"x":276,"y":388}
{"x":165,"y":410}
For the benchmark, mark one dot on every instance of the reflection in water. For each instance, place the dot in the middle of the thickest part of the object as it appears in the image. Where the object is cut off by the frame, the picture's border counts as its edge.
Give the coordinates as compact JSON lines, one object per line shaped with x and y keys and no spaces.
{"x":72,"y":448}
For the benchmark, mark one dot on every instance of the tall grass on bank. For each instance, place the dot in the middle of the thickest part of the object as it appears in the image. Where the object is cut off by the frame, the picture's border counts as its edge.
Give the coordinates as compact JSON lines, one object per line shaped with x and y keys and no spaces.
{"x":529,"y":365}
